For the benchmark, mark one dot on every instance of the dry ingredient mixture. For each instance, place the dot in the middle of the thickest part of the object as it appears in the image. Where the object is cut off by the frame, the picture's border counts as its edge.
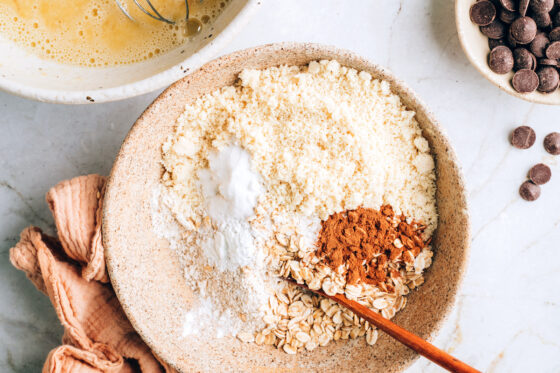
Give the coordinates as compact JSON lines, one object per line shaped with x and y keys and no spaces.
{"x":318,"y":173}
{"x":96,"y":32}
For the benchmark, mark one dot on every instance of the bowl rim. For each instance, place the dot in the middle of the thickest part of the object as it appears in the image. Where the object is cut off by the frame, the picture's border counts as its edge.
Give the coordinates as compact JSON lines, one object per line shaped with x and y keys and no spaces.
{"x":139,"y":87}
{"x":289,"y":47}
{"x":496,"y":79}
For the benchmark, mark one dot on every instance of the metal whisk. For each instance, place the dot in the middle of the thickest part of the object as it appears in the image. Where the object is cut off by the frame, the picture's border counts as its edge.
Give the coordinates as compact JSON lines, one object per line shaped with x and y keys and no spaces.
{"x":151,"y":12}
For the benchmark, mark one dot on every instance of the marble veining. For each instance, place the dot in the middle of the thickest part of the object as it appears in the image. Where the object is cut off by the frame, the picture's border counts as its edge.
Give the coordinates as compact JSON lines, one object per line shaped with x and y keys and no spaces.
{"x":507,"y":315}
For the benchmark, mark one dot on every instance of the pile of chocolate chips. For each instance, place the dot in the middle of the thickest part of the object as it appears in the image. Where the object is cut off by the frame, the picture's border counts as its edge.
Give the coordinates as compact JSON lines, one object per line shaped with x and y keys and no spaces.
{"x":523,"y":138}
{"x":523,"y":36}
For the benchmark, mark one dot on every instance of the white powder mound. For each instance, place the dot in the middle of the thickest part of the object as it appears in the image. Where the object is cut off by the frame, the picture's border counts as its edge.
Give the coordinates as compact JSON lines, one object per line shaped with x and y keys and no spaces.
{"x":229,"y":186}
{"x":230,"y":191}
{"x":325,"y":138}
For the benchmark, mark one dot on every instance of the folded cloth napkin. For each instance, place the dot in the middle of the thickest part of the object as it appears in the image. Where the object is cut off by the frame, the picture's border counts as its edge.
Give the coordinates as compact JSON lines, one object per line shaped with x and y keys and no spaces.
{"x":70,"y":269}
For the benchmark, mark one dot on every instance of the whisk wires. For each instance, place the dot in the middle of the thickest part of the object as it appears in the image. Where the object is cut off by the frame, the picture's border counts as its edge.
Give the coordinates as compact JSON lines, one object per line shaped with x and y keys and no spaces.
{"x":151,"y":12}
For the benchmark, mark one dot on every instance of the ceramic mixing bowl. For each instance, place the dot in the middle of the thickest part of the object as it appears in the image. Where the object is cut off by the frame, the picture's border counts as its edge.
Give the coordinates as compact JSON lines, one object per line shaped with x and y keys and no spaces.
{"x":24,"y":74}
{"x":475,"y":46}
{"x":146,"y":274}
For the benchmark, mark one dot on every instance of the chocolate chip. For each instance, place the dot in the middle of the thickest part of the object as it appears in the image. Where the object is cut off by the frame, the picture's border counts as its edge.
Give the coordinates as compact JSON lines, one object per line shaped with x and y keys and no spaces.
{"x":525,"y":81}
{"x":529,"y":191}
{"x":523,"y":59}
{"x":553,"y":50}
{"x":523,"y":6}
{"x":493,"y":43}
{"x":500,"y":60}
{"x":548,"y":62}
{"x":542,"y":20}
{"x":523,"y":30}
{"x":495,"y":30}
{"x":506,"y":16}
{"x":509,"y":5}
{"x":542,"y":6}
{"x":548,"y":79}
{"x":523,"y":137}
{"x":552,"y":143}
{"x":554,"y":35}
{"x":482,"y":13}
{"x":540,"y":174}
{"x":511,"y":41}
{"x":539,"y":44}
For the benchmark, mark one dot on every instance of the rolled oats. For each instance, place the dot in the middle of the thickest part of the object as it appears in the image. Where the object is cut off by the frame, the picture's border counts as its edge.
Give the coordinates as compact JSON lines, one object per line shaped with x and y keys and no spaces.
{"x":371,"y":337}
{"x":289,"y":349}
{"x":303,"y":337}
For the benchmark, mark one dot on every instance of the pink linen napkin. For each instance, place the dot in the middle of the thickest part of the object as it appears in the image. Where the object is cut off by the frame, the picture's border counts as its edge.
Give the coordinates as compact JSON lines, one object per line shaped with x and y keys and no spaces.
{"x":71,"y":270}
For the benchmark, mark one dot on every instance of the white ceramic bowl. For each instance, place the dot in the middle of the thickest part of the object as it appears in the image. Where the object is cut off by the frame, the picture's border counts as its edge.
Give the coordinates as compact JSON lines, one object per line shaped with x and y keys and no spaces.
{"x":26,"y":75}
{"x":475,"y":45}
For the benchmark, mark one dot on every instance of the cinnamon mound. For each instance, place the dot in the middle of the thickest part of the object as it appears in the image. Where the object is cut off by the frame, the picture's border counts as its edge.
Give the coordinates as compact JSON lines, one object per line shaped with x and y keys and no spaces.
{"x":373,"y":245}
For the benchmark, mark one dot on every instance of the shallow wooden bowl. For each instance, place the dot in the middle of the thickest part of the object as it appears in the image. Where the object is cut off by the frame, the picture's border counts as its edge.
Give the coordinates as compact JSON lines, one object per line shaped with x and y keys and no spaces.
{"x":475,"y":46}
{"x":147,"y":277}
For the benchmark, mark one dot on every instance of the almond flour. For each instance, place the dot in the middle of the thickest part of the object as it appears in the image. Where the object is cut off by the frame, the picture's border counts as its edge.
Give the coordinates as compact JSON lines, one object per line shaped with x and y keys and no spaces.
{"x":322,"y":139}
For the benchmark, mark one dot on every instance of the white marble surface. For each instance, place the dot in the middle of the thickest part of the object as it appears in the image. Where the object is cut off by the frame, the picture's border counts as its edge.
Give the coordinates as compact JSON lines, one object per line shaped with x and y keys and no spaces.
{"x":507,"y":314}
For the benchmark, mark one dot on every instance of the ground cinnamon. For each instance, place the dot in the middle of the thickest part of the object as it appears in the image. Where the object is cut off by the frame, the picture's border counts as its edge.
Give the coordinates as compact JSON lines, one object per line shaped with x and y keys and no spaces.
{"x":373,"y":244}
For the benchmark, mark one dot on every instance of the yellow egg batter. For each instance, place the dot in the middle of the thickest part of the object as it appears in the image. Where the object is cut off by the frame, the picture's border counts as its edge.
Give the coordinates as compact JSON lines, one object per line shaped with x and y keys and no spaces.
{"x":96,"y":32}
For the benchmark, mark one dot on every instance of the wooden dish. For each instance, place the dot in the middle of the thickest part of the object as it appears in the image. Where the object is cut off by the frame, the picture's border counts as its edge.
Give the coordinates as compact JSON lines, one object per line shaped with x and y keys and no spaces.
{"x":148,"y":279}
{"x":475,"y":46}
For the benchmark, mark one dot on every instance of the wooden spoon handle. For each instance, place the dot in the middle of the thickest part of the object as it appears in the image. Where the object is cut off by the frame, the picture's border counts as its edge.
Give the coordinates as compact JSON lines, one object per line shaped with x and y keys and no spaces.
{"x":407,"y":338}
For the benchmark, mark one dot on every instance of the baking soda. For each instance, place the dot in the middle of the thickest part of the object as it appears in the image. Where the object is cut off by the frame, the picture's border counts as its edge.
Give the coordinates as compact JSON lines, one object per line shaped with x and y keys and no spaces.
{"x":231,"y":191}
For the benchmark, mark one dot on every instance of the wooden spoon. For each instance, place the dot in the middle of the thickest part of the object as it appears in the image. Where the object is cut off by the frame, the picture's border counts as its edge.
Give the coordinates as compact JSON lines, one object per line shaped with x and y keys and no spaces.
{"x":426,"y":349}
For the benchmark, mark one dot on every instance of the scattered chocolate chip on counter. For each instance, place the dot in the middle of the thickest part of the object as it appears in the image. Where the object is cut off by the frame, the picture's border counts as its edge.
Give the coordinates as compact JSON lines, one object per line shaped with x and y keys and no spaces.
{"x":527,"y":32}
{"x":529,"y":191}
{"x":540,"y":174}
{"x":552,"y":143}
{"x":523,"y":137}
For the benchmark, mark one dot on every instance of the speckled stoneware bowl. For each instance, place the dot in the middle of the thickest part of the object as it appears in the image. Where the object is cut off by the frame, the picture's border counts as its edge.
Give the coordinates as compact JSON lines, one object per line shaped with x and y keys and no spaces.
{"x":27,"y":75}
{"x":148,"y":279}
{"x":475,"y":46}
